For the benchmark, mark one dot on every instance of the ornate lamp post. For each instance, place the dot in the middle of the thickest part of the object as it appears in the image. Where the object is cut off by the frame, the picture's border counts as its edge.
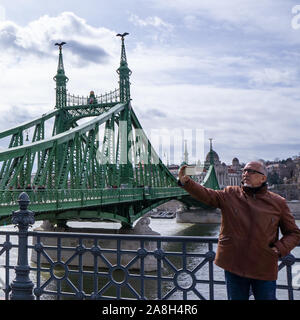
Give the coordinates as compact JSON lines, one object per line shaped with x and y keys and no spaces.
{"x":22,"y":286}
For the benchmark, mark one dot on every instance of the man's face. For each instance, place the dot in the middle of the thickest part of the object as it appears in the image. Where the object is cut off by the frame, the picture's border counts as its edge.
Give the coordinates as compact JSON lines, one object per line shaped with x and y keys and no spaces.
{"x":252,"y":178}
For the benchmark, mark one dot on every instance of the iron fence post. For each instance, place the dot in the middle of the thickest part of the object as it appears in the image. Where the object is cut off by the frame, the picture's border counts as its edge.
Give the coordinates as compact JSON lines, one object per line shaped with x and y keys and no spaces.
{"x":22,"y":286}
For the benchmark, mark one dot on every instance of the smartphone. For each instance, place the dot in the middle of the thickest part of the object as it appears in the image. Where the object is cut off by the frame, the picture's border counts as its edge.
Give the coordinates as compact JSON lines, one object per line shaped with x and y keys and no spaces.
{"x":190,"y":171}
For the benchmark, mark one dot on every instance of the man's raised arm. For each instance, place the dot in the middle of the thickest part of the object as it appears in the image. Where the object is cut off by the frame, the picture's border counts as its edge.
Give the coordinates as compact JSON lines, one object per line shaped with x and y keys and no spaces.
{"x":208,"y":196}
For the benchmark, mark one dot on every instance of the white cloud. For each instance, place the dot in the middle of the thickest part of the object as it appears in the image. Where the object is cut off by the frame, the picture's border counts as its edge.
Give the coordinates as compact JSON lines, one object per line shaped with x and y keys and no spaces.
{"x":271,"y":76}
{"x":161,"y":31}
{"x":154,"y":21}
{"x":247,"y":16}
{"x":39,"y":36}
{"x":191,"y":21}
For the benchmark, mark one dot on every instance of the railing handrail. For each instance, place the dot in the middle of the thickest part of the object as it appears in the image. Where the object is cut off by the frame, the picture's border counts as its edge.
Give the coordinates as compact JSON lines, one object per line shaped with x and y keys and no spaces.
{"x":108,"y":97}
{"x":122,"y":236}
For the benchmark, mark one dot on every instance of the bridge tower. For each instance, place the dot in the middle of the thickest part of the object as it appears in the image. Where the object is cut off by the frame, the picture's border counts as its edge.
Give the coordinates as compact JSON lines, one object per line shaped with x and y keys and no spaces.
{"x":125,"y":154}
{"x":124,"y":72}
{"x":61,"y":93}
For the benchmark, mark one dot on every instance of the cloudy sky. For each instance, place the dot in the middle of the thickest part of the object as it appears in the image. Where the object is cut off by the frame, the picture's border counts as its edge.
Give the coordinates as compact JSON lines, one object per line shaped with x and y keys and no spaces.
{"x":230,"y":69}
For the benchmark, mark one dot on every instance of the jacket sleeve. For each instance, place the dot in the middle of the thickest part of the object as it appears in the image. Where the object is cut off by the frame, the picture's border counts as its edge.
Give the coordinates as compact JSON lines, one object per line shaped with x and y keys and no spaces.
{"x":289,"y":230}
{"x":210,"y":197}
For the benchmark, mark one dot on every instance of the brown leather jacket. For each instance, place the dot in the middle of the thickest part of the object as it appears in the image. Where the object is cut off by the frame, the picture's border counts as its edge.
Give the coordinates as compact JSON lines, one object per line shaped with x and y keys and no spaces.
{"x":249,"y":228}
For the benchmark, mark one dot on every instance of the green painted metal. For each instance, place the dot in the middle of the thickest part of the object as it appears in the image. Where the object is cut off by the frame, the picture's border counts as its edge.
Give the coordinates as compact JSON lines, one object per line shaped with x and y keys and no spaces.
{"x":55,"y":204}
{"x":211,"y":180}
{"x":124,"y":72}
{"x":104,"y":169}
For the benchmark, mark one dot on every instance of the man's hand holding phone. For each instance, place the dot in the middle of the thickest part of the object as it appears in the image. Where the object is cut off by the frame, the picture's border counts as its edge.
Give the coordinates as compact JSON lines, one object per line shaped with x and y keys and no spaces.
{"x":182,"y":175}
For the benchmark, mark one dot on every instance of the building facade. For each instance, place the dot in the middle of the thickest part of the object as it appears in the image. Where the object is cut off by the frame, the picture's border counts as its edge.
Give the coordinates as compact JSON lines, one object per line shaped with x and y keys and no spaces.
{"x":227,"y":175}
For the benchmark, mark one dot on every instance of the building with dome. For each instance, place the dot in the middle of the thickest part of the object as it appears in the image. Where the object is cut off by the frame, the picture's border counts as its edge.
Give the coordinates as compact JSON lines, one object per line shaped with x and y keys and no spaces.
{"x":227,"y":175}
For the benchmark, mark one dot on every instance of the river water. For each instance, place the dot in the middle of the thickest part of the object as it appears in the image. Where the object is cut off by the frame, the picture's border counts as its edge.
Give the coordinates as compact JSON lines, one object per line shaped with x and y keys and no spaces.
{"x":166,"y":227}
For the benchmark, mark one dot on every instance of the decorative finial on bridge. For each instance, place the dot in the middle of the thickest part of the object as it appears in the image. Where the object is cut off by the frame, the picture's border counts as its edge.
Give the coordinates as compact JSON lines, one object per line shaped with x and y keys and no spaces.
{"x":122,"y":35}
{"x":124,"y":72}
{"x":61,"y":79}
{"x":60,"y":59}
{"x":123,"y":52}
{"x":60,"y":45}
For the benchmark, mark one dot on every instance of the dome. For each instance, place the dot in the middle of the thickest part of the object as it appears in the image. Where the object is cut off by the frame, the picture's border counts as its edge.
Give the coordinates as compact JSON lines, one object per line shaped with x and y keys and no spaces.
{"x":235,"y":161}
{"x":215,"y":157}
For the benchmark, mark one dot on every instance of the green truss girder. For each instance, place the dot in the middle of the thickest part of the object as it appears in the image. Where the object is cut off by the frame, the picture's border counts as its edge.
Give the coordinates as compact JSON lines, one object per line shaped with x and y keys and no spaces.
{"x":68,"y":161}
{"x":28,"y":125}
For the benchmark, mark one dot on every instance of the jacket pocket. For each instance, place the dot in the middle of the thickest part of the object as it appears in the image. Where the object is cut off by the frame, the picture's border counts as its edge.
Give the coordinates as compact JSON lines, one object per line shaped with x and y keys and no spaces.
{"x":260,"y":262}
{"x":272,"y":227}
{"x":271,"y":252}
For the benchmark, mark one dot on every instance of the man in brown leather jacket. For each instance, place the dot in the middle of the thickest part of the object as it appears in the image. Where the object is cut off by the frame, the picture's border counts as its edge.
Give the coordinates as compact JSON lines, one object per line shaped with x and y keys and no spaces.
{"x":248,"y":246}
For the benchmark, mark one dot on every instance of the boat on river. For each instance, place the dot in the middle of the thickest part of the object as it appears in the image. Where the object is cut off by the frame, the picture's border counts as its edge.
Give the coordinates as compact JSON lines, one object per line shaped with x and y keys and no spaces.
{"x":163,"y":215}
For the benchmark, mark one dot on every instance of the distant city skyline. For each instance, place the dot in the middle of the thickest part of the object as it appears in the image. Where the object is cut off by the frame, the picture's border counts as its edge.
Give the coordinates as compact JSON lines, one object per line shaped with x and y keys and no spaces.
{"x":229,"y":68}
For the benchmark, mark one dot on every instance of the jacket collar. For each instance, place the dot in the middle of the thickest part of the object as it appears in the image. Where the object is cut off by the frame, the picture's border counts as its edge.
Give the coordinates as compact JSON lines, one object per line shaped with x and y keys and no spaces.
{"x":256,"y":191}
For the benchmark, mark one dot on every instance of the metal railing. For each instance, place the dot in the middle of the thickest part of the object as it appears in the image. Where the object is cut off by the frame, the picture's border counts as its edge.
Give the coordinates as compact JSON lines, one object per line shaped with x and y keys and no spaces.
{"x":113,"y":266}
{"x":109,"y":97}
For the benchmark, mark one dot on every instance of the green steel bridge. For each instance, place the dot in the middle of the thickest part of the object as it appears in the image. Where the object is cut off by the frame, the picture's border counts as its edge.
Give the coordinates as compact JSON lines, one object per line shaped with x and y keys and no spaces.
{"x":75,"y":175}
